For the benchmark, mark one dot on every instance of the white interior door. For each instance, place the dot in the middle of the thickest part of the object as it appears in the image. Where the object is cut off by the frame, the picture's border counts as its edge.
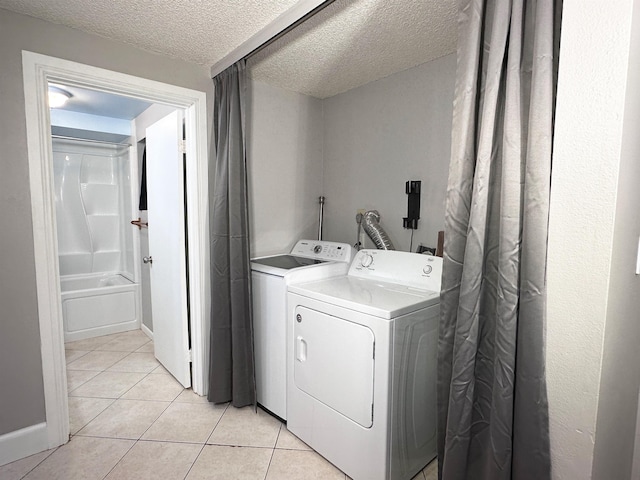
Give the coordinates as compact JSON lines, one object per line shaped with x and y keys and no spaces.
{"x":168,"y":271}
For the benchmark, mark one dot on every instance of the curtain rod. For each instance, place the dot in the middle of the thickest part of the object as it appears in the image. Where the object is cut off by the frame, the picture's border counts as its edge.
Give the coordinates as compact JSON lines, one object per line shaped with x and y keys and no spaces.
{"x":87,"y":140}
{"x":290,"y":19}
{"x":277,"y":36}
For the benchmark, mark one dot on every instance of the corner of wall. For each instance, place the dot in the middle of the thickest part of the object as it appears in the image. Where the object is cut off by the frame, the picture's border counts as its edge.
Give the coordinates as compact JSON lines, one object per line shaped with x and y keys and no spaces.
{"x":586,"y":164}
{"x":616,"y":433}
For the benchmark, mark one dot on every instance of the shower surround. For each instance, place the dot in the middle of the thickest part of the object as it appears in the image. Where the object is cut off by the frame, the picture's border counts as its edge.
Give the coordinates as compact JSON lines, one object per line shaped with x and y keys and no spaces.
{"x":92,"y":182}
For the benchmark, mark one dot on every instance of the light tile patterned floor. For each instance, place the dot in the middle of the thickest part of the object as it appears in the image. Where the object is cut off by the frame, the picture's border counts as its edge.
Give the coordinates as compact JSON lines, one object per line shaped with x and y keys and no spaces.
{"x":130,"y":419}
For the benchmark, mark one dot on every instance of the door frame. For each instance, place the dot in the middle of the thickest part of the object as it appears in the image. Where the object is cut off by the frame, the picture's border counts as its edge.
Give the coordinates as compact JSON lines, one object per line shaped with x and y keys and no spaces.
{"x":38,"y":70}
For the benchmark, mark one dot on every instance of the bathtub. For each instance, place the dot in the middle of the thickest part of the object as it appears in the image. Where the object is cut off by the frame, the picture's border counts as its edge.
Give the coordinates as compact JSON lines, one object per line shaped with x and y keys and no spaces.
{"x":98,"y":304}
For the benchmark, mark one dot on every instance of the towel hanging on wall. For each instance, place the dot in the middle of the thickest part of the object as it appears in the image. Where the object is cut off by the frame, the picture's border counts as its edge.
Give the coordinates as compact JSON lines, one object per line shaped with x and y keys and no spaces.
{"x":142,"y":205}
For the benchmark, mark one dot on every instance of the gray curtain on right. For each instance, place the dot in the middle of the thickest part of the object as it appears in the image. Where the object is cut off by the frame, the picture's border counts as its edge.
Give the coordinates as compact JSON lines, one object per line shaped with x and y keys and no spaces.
{"x":492,"y":397}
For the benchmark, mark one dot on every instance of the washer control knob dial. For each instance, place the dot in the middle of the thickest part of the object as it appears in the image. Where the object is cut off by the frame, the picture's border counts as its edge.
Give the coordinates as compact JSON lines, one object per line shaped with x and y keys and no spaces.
{"x":427,"y":269}
{"x":317,"y":249}
{"x":366,"y":260}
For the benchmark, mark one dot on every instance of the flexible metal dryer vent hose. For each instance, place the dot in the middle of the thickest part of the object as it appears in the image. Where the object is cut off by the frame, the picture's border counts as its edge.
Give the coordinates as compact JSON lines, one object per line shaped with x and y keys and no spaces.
{"x":371,"y":225}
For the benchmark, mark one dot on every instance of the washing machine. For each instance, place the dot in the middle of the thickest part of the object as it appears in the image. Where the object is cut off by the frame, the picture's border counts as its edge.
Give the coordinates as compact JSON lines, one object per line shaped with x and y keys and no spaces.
{"x":308,"y":260}
{"x":362,"y":364}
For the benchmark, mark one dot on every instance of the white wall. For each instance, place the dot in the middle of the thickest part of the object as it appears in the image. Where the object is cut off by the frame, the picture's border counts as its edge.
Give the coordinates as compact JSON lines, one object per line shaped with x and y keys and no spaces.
{"x":583,"y":235}
{"x":284,"y":149}
{"x":378,"y":136}
{"x":618,"y":402}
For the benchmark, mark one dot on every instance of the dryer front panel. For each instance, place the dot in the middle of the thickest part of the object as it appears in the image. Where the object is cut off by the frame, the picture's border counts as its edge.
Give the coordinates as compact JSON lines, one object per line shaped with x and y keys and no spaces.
{"x":334,"y":363}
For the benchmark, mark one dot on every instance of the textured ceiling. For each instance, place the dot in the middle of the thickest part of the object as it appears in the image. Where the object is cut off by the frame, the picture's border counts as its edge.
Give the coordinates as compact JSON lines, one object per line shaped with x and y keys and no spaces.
{"x":200,"y":31}
{"x":353,"y":42}
{"x":348,"y":44}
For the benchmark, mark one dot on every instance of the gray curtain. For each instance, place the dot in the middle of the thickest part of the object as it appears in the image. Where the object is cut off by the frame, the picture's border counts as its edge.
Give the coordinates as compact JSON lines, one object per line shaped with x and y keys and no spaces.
{"x":492,"y":400}
{"x":231,"y":360}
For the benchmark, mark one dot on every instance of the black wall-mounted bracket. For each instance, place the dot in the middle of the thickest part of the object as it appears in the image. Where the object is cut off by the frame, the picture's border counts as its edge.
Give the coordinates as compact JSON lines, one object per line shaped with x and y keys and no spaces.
{"x":412,"y":188}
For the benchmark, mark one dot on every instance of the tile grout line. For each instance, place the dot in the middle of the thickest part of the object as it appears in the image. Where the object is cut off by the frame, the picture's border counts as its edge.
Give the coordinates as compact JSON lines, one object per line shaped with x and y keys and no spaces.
{"x":118,"y":462}
{"x":86,"y":352}
{"x":125,"y":357}
{"x":78,"y":386}
{"x":142,"y":440}
{"x":248,"y":446}
{"x":113,"y":400}
{"x":273,"y":451}
{"x":132,"y":386}
{"x":206,"y":442}
{"x":195,"y":460}
{"x":156,"y":419}
{"x":101,"y":371}
{"x":37,"y":464}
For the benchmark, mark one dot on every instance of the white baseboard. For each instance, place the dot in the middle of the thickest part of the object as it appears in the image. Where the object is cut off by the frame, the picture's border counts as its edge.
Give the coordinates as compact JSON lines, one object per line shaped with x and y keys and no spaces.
{"x":103,"y":330}
{"x":22,"y":443}
{"x":146,"y":331}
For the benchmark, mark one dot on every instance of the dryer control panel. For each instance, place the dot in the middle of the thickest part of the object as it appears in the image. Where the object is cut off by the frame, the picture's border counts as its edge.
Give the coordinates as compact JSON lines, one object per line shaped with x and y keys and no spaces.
{"x":402,"y":268}
{"x":323,"y":250}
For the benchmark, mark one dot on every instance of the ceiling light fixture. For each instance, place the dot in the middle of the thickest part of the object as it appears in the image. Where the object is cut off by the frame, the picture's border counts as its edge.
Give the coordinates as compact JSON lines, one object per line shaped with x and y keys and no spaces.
{"x":58,"y":97}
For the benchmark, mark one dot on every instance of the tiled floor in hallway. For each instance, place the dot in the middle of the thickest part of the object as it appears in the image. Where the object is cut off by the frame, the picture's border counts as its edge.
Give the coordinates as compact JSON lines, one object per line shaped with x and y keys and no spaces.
{"x":130,"y":419}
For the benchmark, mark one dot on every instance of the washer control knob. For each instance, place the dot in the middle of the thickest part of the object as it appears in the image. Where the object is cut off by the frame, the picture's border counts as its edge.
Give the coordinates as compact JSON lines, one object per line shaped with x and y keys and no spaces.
{"x":317,"y":249}
{"x":366,"y":260}
{"x":427,"y":269}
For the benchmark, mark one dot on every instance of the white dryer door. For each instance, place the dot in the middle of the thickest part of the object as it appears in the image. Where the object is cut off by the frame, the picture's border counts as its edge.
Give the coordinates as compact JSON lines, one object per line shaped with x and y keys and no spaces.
{"x":334,"y":363}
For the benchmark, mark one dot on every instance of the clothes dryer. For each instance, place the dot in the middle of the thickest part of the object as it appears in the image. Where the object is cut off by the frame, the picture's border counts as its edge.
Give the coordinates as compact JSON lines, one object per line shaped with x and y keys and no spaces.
{"x":362,"y":364}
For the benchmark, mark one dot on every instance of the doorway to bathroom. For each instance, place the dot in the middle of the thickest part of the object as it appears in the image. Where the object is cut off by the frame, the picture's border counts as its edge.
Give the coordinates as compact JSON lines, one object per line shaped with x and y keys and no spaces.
{"x":99,"y":180}
{"x":105,"y":146}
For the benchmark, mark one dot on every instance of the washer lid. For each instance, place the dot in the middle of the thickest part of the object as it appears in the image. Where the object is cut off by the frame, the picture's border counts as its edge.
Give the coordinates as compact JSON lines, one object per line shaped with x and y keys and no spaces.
{"x":286,"y":262}
{"x":380,"y":299}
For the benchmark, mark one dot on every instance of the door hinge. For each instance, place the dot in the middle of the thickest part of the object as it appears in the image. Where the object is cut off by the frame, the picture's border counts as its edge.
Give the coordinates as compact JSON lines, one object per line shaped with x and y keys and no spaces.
{"x":189,"y":357}
{"x":182,"y":146}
